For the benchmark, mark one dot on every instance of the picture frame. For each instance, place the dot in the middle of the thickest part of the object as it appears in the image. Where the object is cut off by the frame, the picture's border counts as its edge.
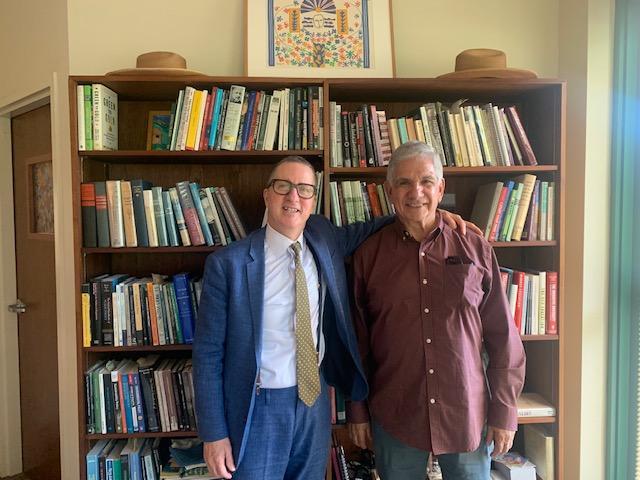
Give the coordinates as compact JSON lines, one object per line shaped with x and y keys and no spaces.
{"x":319,"y":38}
{"x":158,"y":125}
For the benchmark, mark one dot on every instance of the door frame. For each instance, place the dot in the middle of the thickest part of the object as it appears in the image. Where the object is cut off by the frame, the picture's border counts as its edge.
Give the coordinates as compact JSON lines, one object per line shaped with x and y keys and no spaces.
{"x":10,"y":430}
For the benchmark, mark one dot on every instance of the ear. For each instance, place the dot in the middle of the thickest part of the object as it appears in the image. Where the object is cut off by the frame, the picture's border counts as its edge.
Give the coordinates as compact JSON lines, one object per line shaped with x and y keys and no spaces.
{"x":265,"y":192}
{"x":441,"y":190}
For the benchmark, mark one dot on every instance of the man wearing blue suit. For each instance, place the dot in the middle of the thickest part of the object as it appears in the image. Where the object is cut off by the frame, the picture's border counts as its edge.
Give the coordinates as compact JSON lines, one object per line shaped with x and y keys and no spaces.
{"x":273,"y":330}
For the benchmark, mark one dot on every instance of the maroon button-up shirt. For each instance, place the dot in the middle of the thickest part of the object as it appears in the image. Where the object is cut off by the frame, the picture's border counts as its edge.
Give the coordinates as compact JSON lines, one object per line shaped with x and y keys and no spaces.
{"x":424,"y":312}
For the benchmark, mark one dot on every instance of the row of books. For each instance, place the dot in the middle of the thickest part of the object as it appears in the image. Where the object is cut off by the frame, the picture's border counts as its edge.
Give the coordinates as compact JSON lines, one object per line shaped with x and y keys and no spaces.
{"x":97,"y":107}
{"x":151,"y":394}
{"x":533,"y":297}
{"x":123,"y":310}
{"x":238,"y":119}
{"x":358,"y":201}
{"x":518,"y":209}
{"x":134,"y":459}
{"x":134,"y":213}
{"x":463,"y":136}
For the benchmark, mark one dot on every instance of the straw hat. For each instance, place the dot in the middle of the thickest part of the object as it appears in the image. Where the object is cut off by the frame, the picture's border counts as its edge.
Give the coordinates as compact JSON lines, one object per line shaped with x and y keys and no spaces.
{"x":158,"y":63}
{"x":485,"y":63}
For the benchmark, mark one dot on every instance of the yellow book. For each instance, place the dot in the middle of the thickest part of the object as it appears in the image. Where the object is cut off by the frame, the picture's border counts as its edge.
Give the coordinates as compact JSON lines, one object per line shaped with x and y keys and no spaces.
{"x":394,"y":134}
{"x":528,"y":182}
{"x":193,"y":121}
{"x":86,"y":319}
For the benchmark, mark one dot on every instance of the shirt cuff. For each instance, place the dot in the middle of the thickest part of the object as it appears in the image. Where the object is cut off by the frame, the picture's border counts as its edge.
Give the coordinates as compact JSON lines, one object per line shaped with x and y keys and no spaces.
{"x":505,"y":418}
{"x":357,"y":412}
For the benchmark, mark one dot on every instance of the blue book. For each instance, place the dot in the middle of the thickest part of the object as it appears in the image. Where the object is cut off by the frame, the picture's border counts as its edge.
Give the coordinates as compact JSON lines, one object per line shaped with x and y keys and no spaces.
{"x":142,"y":427}
{"x":170,"y":219}
{"x":135,"y":469}
{"x":124,"y":378}
{"x":185,"y":310}
{"x":159,"y":212}
{"x":215,"y":118}
{"x":93,"y":472}
{"x":204,"y":225}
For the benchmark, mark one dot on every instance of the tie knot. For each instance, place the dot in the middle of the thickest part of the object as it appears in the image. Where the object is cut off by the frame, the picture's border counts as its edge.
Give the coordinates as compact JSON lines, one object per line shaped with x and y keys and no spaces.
{"x":296,"y":247}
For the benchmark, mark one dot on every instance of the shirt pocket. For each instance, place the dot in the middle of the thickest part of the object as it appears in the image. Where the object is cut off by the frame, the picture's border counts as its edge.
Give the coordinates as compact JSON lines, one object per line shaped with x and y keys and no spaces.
{"x":462,"y":285}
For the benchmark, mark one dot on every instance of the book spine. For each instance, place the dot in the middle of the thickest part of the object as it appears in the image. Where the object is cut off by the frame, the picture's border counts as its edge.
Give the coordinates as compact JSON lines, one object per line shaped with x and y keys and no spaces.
{"x":114,"y":209}
{"x":137,"y":189}
{"x":158,"y":214}
{"x":179,"y":218}
{"x":232,"y":120}
{"x":195,"y":195}
{"x":552,"y":303}
{"x":149,"y":213}
{"x":190,"y":215}
{"x":170,"y":220}
{"x":88,"y":116}
{"x":102,"y":215}
{"x":88,"y":211}
{"x":131,"y":238}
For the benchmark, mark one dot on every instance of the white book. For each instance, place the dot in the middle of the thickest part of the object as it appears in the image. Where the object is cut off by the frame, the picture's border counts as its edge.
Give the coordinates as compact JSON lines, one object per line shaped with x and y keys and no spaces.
{"x":551,"y":191}
{"x":534,"y":405}
{"x":183,"y":130}
{"x":179,"y":217}
{"x":114,"y":210}
{"x":80,"y":108}
{"x":232,"y":119}
{"x":105,"y":118}
{"x":336,"y":217}
{"x":501,"y":134}
{"x":272,"y":121}
{"x":535,"y":299}
{"x":176,"y":120}
{"x":338,"y":120}
{"x":283,"y":133}
{"x":321,"y":117}
{"x":152,"y":232}
{"x":332,"y":135}
{"x":542,"y":304}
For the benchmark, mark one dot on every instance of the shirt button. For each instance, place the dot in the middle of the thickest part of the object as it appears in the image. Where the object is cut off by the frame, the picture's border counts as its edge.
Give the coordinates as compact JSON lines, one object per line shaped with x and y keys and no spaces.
{"x":426,"y":310}
{"x":431,"y":371}
{"x":422,"y":254}
{"x":428,"y":340}
{"x":432,"y":401}
{"x":424,"y":281}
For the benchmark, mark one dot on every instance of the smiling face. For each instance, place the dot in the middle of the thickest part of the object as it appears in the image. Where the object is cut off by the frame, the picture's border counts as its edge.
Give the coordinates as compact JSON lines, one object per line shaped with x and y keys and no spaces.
{"x":288,"y":214}
{"x":416,"y":190}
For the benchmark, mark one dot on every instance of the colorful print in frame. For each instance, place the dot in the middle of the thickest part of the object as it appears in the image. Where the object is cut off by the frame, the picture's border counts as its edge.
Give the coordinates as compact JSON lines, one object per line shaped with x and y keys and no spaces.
{"x":319,"y":38}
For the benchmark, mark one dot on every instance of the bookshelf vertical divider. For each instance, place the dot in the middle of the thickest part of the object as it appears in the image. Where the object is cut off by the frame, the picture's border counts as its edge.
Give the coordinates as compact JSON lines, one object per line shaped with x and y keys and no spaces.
{"x":540,"y":102}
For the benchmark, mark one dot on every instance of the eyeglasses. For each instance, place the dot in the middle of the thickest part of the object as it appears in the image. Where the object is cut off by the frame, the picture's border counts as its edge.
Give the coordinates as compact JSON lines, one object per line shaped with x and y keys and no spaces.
{"x":283,"y":187}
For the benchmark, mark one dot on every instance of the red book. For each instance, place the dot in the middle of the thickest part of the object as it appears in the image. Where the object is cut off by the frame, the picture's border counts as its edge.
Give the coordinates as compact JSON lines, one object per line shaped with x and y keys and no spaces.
{"x":552,"y":303}
{"x":521,"y":136}
{"x":206,"y":123}
{"x":253,"y":120}
{"x":332,"y":399}
{"x":496,"y":218}
{"x":518,"y":279}
{"x":376,"y":209}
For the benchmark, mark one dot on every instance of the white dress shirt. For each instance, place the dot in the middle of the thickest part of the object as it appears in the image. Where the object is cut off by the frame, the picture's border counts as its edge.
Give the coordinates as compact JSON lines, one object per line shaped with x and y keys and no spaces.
{"x":278,"y":358}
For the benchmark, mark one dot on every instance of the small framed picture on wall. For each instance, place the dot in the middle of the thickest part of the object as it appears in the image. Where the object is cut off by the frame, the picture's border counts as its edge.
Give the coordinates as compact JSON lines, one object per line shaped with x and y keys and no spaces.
{"x":319,"y":38}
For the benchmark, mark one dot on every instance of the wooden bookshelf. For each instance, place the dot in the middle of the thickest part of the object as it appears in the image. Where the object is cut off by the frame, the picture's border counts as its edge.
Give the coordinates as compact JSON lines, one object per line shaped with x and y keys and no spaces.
{"x":540,"y":102}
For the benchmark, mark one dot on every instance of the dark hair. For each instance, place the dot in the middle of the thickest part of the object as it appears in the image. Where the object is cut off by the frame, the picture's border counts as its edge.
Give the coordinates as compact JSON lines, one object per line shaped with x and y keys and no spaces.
{"x":292,"y":159}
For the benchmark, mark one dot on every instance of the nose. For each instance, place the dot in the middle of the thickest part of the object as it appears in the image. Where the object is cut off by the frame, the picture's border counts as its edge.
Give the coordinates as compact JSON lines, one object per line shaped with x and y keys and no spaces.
{"x":293,"y":193}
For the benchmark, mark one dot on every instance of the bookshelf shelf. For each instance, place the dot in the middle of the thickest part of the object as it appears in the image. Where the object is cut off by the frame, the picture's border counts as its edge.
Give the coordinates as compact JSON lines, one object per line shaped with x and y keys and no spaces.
{"x":530,"y":420}
{"x":448,"y":171}
{"x":540,"y":104}
{"x":182,"y":347}
{"x":110,"y":436}
{"x":206,"y":249}
{"x":197,"y":157}
{"x":539,"y":338}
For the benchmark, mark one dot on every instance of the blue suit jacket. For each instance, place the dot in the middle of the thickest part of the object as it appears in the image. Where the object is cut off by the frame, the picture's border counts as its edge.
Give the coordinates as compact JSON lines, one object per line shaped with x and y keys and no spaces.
{"x":228,"y":339}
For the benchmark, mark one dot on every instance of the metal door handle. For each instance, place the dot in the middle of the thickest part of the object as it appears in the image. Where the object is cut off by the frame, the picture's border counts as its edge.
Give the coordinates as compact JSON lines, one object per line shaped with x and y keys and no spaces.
{"x":18,"y":307}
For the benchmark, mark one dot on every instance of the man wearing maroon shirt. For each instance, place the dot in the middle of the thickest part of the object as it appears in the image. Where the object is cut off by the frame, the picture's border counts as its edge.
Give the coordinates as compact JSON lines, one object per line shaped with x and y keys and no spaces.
{"x":428,"y":303}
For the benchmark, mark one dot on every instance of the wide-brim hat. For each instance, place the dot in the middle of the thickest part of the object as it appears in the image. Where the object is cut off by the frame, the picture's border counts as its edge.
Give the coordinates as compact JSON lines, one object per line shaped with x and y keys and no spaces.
{"x":485,"y":63}
{"x":158,"y":63}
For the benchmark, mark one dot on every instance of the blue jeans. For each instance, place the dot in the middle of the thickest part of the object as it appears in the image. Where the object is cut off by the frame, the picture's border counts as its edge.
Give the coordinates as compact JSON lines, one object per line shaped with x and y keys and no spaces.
{"x":287,"y":440}
{"x":397,"y":461}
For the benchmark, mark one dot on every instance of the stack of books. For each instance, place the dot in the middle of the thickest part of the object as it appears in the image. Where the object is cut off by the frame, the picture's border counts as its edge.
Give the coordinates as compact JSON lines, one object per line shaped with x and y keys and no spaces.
{"x":97,"y":107}
{"x":463,"y":136}
{"x":134,"y":213}
{"x":514,"y":210}
{"x":358,"y":201}
{"x":151,"y":394}
{"x":136,"y":458}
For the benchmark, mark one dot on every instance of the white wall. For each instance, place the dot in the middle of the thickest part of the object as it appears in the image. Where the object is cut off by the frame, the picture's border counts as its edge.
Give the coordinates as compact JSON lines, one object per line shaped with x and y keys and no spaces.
{"x":566,"y":38}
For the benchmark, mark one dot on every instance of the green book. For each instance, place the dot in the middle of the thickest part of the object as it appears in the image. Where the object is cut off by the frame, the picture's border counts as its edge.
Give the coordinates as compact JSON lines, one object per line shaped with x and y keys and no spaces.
{"x":88,"y":117}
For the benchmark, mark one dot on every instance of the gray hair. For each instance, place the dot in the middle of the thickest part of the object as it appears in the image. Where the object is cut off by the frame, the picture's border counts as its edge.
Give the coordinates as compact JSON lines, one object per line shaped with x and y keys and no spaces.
{"x":413,"y":149}
{"x":292,"y":159}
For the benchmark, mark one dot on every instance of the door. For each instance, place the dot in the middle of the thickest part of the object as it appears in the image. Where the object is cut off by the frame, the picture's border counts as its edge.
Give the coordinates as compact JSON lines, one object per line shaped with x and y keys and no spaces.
{"x":37,"y":337}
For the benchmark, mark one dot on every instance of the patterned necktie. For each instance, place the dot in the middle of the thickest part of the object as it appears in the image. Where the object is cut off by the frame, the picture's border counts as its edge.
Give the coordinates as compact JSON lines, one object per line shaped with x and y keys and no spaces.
{"x":306,"y":355}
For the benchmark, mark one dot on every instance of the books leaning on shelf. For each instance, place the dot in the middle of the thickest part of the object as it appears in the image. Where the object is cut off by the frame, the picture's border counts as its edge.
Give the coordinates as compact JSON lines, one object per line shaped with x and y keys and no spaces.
{"x":97,"y":107}
{"x":514,"y":210}
{"x":533,"y":298}
{"x":357,"y":201}
{"x":463,"y":136}
{"x":134,"y":213}
{"x":538,"y":446}
{"x":534,"y":405}
{"x":152,"y":394}
{"x":238,"y":119}
{"x":121,"y":310}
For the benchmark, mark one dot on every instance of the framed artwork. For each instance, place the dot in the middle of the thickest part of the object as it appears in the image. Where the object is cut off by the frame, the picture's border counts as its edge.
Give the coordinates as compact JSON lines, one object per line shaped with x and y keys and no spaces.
{"x":158,"y":130}
{"x":319,"y":38}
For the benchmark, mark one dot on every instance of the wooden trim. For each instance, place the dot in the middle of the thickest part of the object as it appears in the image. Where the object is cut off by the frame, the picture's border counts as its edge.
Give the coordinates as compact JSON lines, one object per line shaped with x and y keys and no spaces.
{"x":178,"y":347}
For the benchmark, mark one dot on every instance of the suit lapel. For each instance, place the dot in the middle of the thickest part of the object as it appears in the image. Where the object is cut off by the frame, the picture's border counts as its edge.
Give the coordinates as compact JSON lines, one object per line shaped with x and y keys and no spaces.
{"x":255,"y":287}
{"x":323,"y":258}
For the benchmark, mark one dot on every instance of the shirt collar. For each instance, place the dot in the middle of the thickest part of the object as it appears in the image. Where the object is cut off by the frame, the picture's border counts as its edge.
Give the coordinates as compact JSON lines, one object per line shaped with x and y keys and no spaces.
{"x":278,"y":243}
{"x":403,"y":235}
